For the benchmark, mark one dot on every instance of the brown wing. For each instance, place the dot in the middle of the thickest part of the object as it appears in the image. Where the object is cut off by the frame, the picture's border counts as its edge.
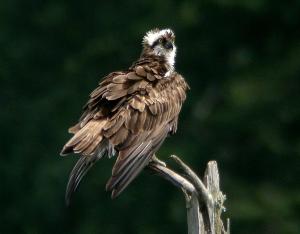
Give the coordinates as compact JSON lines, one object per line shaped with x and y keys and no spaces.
{"x":133,"y":113}
{"x":145,"y":123}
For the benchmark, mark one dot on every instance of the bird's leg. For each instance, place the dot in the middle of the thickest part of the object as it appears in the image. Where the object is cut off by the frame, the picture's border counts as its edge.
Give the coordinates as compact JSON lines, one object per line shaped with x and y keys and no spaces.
{"x":156,"y":160}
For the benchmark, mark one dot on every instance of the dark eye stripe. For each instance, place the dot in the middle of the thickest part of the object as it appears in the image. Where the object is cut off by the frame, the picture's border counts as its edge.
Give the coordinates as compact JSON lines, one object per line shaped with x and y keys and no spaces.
{"x":155,"y":43}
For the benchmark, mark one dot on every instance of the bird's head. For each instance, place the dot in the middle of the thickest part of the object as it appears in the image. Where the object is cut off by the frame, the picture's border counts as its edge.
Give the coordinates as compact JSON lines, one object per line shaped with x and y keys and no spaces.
{"x":160,"y":43}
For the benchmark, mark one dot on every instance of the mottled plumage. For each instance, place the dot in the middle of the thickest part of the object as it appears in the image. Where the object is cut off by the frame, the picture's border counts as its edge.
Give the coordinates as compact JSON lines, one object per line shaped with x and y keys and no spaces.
{"x":129,"y":114}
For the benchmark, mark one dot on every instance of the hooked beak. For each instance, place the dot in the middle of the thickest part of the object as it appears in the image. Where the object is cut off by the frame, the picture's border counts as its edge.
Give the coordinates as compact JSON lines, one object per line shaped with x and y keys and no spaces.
{"x":168,"y":45}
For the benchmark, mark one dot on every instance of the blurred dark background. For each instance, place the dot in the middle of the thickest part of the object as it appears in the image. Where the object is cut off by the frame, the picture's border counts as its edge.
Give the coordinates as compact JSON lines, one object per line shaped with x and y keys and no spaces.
{"x":242,"y":61}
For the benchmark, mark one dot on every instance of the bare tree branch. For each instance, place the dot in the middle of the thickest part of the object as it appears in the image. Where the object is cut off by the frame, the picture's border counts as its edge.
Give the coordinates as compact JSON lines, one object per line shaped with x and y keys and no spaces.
{"x":200,"y":187}
{"x":204,"y":200}
{"x":192,"y":204}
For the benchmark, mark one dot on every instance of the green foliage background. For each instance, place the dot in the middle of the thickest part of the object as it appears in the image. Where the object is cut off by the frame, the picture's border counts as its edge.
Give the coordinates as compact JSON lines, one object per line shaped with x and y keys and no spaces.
{"x":242,"y":61}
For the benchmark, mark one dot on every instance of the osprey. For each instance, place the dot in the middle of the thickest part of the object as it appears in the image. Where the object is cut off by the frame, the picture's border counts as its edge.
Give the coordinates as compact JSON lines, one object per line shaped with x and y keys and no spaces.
{"x":129,"y":114}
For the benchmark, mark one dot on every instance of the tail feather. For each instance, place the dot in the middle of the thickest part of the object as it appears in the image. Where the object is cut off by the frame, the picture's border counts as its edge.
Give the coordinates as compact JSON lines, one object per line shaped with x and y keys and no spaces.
{"x":83,"y":165}
{"x":89,"y":142}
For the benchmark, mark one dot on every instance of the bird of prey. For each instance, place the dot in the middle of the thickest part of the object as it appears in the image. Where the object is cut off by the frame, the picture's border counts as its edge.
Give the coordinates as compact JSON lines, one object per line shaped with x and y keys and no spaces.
{"x":129,"y":114}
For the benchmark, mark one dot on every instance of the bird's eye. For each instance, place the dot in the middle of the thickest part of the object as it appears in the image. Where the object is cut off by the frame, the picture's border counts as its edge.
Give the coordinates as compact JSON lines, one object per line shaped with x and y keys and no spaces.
{"x":160,"y":40}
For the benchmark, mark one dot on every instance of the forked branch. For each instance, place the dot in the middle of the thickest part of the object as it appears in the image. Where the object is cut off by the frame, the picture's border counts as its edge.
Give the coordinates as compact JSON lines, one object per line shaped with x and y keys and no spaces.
{"x":204,"y":200}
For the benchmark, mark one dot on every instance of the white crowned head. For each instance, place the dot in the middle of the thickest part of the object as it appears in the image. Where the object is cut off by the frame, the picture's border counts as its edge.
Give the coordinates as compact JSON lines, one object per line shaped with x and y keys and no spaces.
{"x":161,"y":43}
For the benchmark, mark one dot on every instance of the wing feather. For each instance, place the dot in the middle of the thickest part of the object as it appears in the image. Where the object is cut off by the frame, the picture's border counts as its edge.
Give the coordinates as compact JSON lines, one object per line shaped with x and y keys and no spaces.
{"x":131,"y":113}
{"x":129,"y":166}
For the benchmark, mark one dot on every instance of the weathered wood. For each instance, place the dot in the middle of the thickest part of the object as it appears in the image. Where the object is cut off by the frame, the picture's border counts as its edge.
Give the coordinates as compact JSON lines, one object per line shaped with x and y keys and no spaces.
{"x":173,"y":177}
{"x":204,"y":199}
{"x":194,"y":217}
{"x":212,"y":183}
